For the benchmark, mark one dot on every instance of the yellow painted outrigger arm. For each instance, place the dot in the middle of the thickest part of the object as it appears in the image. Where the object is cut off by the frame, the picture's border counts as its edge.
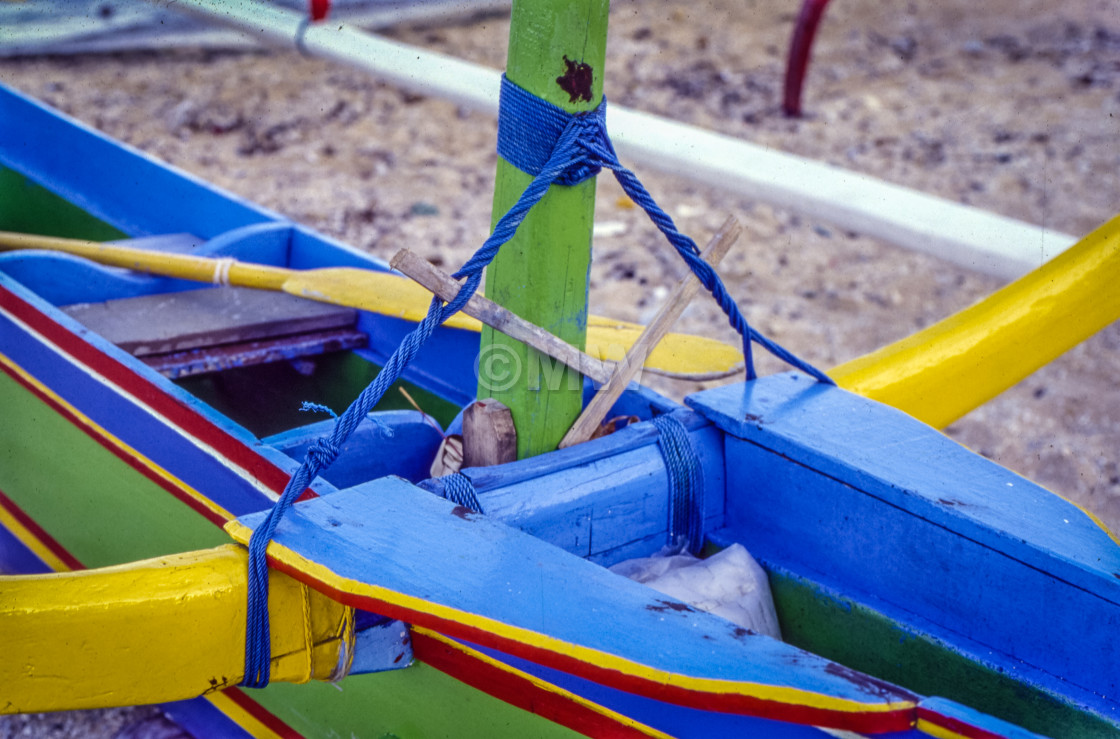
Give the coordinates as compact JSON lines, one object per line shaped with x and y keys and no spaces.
{"x":944,"y":371}
{"x":159,"y":630}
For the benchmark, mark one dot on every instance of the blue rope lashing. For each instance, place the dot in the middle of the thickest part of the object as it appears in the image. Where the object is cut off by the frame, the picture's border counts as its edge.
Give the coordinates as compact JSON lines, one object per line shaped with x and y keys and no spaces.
{"x":459,"y":489}
{"x":686,"y":482}
{"x":560,"y":154}
{"x":524,"y":148}
{"x":528,"y":129}
{"x":565,"y":154}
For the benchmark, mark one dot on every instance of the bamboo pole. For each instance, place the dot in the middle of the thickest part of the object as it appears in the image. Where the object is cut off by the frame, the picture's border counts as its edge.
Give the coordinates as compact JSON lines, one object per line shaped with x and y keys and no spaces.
{"x":557,"y":50}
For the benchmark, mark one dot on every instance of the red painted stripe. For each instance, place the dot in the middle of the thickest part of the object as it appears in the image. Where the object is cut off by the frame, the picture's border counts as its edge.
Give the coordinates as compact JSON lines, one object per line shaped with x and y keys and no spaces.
{"x":39,"y":533}
{"x":900,"y":719}
{"x":955,"y":725}
{"x":131,"y":460}
{"x":260,"y":713}
{"x":170,"y":407}
{"x":514,"y":689}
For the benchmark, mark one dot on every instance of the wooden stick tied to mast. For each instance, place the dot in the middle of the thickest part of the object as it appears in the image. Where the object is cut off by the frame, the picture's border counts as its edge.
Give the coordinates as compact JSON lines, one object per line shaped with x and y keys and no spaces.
{"x":628,"y":368}
{"x":495,"y":316}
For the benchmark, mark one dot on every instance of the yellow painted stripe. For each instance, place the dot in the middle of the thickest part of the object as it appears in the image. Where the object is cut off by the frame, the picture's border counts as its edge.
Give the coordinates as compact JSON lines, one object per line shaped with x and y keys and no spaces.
{"x":713,"y":686}
{"x":235,"y":713}
{"x":98,"y":430}
{"x":928,"y":727}
{"x":542,"y":685}
{"x":31,"y":541}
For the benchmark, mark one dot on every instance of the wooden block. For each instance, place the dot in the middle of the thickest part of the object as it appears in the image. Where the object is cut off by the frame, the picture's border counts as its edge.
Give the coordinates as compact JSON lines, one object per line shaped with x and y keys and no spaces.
{"x":489,"y":437}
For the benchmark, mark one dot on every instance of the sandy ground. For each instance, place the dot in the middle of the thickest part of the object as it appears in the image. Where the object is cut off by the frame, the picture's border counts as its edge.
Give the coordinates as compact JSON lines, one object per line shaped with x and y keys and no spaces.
{"x":1008,"y":105}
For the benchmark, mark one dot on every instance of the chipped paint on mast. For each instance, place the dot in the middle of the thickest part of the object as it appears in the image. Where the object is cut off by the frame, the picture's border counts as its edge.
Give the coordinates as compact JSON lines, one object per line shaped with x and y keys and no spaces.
{"x":556,"y":51}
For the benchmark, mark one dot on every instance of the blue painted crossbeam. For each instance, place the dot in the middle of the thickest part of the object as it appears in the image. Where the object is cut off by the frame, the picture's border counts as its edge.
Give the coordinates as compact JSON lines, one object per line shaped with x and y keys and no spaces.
{"x":389,"y":547}
{"x":869,"y":502}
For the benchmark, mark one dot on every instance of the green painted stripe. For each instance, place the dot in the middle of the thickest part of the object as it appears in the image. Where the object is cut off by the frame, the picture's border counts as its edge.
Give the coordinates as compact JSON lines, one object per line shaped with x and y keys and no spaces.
{"x":864,"y":639}
{"x":97,"y":506}
{"x":419,"y":702}
{"x":28,"y":208}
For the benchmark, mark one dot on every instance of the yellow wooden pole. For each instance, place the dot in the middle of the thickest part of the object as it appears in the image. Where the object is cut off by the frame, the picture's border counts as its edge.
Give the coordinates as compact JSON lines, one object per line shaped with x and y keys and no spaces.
{"x":679,"y":355}
{"x":944,"y":371}
{"x":183,"y":266}
{"x":158,"y":630}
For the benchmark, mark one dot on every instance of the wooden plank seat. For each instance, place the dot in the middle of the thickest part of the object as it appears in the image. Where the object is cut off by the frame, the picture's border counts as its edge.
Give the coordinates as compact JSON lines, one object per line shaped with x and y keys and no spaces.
{"x":214,"y":329}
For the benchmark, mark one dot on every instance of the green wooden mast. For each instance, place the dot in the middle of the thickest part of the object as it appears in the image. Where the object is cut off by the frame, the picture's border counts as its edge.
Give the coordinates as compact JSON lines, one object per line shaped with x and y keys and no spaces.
{"x":557,"y":50}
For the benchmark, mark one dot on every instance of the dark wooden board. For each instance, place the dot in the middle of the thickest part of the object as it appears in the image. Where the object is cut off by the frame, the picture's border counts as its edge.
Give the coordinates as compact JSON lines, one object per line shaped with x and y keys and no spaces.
{"x":158,"y":324}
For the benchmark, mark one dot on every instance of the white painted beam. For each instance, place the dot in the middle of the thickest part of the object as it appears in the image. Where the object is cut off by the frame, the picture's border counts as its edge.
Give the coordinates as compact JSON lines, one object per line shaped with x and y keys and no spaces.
{"x":961,"y":234}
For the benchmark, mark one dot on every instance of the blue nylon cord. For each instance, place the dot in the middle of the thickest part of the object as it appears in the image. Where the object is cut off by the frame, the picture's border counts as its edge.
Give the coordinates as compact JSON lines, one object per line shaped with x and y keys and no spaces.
{"x":258,"y":640}
{"x":555,"y":147}
{"x":456,"y":487}
{"x":522,"y":110}
{"x":686,"y":484}
{"x":459,"y":489}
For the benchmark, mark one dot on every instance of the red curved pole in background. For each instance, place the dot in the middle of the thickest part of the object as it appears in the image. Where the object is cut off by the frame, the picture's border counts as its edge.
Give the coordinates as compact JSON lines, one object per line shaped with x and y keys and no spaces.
{"x":803,"y":33}
{"x":319,"y":10}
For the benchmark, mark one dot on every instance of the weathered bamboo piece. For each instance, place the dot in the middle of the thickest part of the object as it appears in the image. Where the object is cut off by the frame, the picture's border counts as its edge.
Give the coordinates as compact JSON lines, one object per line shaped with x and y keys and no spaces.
{"x":625,"y":371}
{"x":495,"y":316}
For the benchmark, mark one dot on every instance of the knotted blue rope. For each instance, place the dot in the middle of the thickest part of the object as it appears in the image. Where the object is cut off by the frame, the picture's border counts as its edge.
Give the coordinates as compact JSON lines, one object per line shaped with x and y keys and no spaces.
{"x":686,"y":484}
{"x":591,"y":151}
{"x":555,"y":147}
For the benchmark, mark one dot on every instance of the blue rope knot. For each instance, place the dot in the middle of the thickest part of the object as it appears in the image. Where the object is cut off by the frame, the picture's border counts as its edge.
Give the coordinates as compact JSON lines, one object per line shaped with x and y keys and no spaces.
{"x":323,"y":453}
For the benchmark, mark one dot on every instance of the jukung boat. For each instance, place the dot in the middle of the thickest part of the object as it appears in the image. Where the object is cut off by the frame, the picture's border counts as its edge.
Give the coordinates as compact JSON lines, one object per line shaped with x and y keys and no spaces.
{"x":921,"y":589}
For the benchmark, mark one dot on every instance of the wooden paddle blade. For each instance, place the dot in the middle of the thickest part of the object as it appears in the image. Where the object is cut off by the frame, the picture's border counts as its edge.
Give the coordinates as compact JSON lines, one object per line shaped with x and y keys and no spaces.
{"x":377,"y":292}
{"x":678,"y":355}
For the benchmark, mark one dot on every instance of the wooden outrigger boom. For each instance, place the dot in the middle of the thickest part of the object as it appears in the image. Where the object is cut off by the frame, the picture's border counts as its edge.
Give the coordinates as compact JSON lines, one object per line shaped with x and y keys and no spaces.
{"x":961,"y":234}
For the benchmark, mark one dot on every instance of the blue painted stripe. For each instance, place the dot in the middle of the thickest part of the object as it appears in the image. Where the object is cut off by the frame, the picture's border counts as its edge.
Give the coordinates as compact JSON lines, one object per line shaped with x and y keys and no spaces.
{"x":678,"y":721}
{"x":201,"y":718}
{"x":17,"y":558}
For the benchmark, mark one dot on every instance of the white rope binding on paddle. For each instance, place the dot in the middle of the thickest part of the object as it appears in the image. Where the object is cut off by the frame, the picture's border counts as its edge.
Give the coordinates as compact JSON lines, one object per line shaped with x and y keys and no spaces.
{"x":221,"y":271}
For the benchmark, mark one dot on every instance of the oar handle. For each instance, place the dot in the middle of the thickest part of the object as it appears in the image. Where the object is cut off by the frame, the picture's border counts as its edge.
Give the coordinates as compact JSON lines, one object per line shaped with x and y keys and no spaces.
{"x":222,"y":271}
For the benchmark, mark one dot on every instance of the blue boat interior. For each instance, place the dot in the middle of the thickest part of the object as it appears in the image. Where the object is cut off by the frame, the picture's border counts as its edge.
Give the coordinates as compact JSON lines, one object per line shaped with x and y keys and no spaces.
{"x":866,"y":520}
